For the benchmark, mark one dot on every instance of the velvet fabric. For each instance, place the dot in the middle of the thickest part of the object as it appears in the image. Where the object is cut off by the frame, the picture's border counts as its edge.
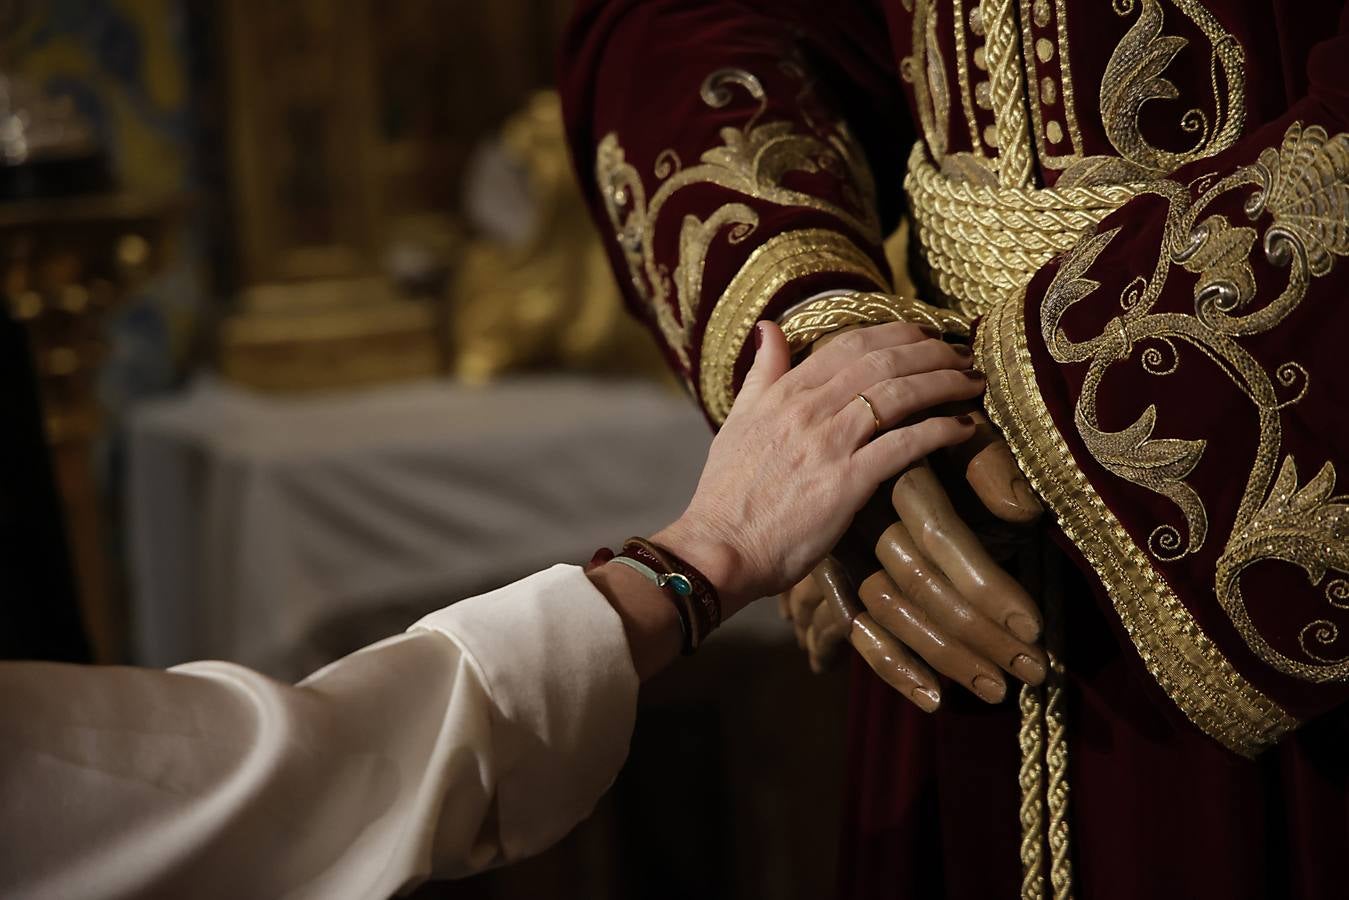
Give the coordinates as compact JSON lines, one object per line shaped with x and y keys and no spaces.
{"x":1158,"y":808}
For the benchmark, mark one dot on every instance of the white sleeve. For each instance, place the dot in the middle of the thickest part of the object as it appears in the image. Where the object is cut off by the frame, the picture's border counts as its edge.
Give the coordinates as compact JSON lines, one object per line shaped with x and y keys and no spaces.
{"x":481,"y":736}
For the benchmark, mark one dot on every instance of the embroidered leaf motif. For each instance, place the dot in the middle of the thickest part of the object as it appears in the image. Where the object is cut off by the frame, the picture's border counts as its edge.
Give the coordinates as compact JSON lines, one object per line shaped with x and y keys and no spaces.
{"x":1306,"y":188}
{"x":1158,"y":464}
{"x":1132,"y":78}
{"x":1304,"y":526}
{"x":1094,"y":171}
{"x":1070,"y":285}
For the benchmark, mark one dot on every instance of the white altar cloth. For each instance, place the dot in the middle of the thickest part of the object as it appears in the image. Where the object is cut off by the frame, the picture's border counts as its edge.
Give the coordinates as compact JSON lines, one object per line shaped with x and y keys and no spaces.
{"x":255,"y":523}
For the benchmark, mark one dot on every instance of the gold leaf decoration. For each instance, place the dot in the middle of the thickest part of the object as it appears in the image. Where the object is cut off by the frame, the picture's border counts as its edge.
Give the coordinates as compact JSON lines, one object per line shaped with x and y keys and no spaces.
{"x":1309,"y":528}
{"x":1305,"y":185}
{"x":1159,"y":464}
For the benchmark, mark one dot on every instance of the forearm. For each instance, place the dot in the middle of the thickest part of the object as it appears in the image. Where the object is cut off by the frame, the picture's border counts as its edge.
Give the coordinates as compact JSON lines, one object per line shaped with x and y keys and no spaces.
{"x":482,"y":737}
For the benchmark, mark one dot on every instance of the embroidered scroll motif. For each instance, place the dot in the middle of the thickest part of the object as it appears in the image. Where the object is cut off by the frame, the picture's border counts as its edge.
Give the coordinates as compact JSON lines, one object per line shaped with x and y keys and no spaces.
{"x":752,"y":161}
{"x":1135,"y":76}
{"x":1304,"y":187}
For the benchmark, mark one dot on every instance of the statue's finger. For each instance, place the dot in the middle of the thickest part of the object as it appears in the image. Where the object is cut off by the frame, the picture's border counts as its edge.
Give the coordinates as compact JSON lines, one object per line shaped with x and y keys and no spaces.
{"x":943,"y":538}
{"x":895,"y":665}
{"x":911,"y":624}
{"x":927,"y":587}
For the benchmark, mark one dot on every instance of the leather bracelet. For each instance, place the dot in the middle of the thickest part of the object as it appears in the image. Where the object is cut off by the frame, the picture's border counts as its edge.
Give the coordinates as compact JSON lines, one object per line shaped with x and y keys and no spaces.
{"x":694,"y":598}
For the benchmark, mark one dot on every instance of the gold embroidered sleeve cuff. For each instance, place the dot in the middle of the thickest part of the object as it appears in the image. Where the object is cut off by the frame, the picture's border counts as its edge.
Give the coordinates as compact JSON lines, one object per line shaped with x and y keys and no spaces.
{"x":809,"y":322}
{"x":771,"y":268}
{"x":1195,"y":674}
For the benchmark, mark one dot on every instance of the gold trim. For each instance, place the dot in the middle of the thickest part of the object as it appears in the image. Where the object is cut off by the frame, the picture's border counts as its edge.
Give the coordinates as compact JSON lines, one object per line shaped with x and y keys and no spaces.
{"x":1195,"y":674}
{"x":1030,"y":778}
{"x":814,"y":320}
{"x":1056,"y":740}
{"x":1002,"y":48}
{"x":963,"y":78}
{"x":771,"y":267}
{"x":1038,"y":127}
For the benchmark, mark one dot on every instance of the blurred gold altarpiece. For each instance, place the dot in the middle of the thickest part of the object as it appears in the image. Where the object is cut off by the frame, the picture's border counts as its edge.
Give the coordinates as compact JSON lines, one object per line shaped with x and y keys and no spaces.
{"x":351,"y":127}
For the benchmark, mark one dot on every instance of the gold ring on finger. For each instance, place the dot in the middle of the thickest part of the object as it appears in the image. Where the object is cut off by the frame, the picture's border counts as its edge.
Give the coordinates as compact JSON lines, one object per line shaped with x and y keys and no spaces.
{"x":875,"y":417}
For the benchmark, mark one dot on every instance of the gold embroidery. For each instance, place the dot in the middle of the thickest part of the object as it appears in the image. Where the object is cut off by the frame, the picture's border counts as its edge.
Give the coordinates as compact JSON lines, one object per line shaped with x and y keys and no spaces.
{"x":776,"y":263}
{"x":1134,"y":76}
{"x":814,"y":320}
{"x":1304,"y":186}
{"x":1187,"y":665}
{"x":752,"y":161}
{"x":1052,"y":157}
{"x":926,"y":70}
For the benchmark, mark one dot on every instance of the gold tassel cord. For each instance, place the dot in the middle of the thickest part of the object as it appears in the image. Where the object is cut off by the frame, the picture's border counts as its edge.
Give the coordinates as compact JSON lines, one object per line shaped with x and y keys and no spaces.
{"x":1031,"y":778}
{"x":1043,"y":777}
{"x":1056,"y":744}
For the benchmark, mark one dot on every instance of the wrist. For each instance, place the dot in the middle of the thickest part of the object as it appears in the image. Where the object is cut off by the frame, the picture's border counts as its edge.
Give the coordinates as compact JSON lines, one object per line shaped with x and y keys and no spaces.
{"x":715,"y":557}
{"x":650,"y":622}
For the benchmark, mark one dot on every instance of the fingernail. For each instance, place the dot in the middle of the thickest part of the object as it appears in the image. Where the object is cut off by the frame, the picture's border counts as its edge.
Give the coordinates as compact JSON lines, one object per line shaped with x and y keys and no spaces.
{"x":1024,"y":627}
{"x":1027,"y":669}
{"x":990,"y":689}
{"x":1024,"y":495}
{"x":974,"y":374}
{"x":964,"y":419}
{"x":927,"y":700}
{"x":758,"y":335}
{"x":930,"y":331}
{"x":962,"y":350}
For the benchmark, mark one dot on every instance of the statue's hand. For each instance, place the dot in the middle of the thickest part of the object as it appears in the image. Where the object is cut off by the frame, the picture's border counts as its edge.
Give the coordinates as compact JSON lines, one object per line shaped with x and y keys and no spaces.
{"x":929,"y":589}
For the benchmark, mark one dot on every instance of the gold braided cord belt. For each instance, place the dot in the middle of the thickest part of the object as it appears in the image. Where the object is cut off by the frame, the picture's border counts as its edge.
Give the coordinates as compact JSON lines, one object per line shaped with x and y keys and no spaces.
{"x":982,"y":243}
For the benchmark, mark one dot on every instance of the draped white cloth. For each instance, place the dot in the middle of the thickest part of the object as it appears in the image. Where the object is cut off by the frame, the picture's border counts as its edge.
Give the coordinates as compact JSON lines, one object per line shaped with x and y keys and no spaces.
{"x":296,"y":525}
{"x":481,"y":736}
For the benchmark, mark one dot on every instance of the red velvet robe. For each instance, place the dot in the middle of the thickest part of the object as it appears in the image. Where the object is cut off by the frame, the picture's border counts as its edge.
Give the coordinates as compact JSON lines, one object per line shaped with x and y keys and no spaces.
{"x":1172,"y":384}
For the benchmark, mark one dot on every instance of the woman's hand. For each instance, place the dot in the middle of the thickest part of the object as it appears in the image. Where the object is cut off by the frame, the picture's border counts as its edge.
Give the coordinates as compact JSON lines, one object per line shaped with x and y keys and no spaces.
{"x":800,"y":453}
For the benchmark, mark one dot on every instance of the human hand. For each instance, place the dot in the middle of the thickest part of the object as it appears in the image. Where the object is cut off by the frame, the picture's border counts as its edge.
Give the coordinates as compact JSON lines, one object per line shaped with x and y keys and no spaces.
{"x":799,"y":453}
{"x":929,"y":582}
